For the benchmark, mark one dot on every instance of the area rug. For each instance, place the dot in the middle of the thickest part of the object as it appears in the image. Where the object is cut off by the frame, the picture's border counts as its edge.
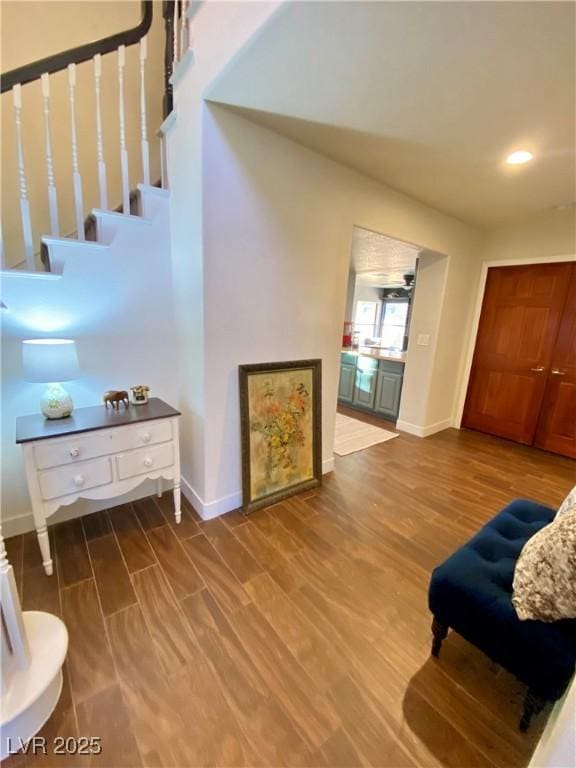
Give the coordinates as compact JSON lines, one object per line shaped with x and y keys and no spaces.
{"x":353,"y":435}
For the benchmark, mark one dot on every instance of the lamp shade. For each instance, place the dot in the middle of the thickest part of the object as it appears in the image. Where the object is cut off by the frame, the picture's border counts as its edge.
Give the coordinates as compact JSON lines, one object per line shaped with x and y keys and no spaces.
{"x":50,"y":360}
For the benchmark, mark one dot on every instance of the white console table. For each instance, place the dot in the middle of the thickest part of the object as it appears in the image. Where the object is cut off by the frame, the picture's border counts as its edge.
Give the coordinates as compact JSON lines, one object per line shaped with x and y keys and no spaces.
{"x":97,"y":453}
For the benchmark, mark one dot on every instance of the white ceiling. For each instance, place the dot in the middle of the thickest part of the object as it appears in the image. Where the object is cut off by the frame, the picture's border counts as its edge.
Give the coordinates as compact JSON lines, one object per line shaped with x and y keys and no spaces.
{"x":379,"y":260}
{"x":428,"y":97}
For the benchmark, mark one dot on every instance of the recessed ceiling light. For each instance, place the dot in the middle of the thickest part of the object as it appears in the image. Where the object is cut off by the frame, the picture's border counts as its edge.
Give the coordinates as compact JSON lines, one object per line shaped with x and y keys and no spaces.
{"x":519,"y":157}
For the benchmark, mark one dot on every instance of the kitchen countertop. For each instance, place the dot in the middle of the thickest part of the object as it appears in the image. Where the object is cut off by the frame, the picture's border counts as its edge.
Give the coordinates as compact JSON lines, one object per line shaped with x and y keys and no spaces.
{"x":378,"y":353}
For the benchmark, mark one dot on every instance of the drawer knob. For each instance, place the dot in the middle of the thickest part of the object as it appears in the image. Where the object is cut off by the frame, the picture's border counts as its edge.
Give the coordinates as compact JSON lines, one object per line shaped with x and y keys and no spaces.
{"x":146,"y":437}
{"x":148,"y":461}
{"x":74,"y":452}
{"x":79,"y":480}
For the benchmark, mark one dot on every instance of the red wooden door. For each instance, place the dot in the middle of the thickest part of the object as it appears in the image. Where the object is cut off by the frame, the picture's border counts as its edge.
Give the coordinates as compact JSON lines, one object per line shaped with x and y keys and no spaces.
{"x":518,"y":328}
{"x":557,"y":426}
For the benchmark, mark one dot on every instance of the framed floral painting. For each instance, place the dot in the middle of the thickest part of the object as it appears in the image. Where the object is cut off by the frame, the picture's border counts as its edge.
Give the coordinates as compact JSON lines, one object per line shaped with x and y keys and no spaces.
{"x":281,"y":424}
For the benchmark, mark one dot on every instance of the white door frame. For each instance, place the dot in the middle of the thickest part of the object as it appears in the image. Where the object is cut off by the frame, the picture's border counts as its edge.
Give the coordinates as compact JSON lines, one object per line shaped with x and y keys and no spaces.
{"x":476,"y":317}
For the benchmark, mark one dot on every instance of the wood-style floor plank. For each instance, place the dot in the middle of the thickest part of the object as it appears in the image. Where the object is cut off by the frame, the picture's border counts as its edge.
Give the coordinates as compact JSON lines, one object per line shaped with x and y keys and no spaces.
{"x":217,"y":576}
{"x":188,"y":525}
{"x":104,"y":714}
{"x":165,"y":621}
{"x":182,"y":575}
{"x":148,"y":513}
{"x":298,"y":635}
{"x":112,"y":578}
{"x":96,"y":525}
{"x":133,"y":543}
{"x":316,"y":654}
{"x":89,"y":657}
{"x":234,"y":554}
{"x":338,"y":752}
{"x":143,"y":682}
{"x":73,"y":562}
{"x":284,"y":675}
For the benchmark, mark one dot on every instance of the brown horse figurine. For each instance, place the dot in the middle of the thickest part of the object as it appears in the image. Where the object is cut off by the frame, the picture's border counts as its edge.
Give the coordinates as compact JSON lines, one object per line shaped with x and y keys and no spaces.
{"x":115,"y":397}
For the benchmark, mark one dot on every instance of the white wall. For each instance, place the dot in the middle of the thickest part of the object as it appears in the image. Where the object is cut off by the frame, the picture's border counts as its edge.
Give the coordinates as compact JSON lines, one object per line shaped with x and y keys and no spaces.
{"x":218,"y":31}
{"x":116,"y":303}
{"x":551,"y":234}
{"x":277,"y":228}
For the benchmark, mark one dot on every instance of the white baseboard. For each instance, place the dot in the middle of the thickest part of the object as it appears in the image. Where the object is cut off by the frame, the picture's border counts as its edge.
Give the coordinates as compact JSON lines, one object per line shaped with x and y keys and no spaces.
{"x":328,"y":465}
{"x":430,"y":429}
{"x":209,"y":510}
{"x":14,"y":526}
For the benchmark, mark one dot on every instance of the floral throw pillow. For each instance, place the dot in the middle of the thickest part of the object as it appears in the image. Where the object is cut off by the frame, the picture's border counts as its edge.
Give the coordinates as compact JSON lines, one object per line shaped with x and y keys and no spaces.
{"x":568,"y":504}
{"x":544,"y":586}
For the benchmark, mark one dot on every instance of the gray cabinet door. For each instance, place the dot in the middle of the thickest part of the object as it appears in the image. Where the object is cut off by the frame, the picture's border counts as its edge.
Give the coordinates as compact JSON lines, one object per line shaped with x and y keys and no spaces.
{"x":365,"y":388}
{"x":346,"y":387}
{"x":388,"y":393}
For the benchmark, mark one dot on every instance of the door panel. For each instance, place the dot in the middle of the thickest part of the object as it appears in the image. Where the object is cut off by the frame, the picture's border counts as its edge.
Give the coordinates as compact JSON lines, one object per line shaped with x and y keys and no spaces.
{"x":347,"y":379}
{"x":388,"y":392}
{"x":518,"y":327}
{"x":365,"y":389}
{"x":557,"y":426}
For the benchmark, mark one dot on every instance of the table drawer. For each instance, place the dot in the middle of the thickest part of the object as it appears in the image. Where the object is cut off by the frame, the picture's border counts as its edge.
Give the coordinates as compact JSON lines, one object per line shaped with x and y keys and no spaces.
{"x":66,"y":480}
{"x":147,"y":433}
{"x":145,"y":460}
{"x":54,"y":453}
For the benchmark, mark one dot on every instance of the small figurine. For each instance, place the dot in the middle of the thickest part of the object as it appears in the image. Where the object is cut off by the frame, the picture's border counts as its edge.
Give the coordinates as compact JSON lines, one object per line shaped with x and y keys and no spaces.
{"x":115,"y":397}
{"x":139,"y":394}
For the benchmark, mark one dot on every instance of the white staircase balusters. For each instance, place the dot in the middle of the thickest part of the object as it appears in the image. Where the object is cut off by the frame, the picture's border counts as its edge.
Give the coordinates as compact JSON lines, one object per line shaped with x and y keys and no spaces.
{"x":102,"y":185}
{"x":123,"y":150}
{"x":175,"y":38}
{"x":183,"y":28}
{"x":76,"y":177}
{"x":143,"y":122}
{"x":24,"y":202}
{"x":52,"y":193}
{"x":163,"y":174}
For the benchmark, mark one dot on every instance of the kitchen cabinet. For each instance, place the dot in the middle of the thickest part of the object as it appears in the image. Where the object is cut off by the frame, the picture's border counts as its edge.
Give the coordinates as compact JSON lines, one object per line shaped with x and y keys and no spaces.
{"x":365,"y":383}
{"x":388,"y":392}
{"x":371,"y":384}
{"x":347,"y":380}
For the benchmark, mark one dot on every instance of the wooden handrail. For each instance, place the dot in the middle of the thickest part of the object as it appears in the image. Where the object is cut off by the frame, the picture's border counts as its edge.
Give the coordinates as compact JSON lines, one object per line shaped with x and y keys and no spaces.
{"x":60,"y":61}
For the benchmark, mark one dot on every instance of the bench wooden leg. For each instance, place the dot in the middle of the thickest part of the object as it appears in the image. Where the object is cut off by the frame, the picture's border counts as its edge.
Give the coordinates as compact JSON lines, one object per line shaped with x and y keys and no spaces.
{"x":533,"y":704}
{"x":439,"y":632}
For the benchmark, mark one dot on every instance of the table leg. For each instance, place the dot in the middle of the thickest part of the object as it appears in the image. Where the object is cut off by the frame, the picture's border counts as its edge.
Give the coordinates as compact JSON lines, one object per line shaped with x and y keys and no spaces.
{"x":177,"y":510}
{"x":159,"y":487}
{"x":44,"y":542}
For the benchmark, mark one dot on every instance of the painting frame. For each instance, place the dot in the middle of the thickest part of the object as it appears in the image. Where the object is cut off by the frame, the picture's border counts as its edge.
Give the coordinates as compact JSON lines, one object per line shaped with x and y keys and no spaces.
{"x":250,"y":504}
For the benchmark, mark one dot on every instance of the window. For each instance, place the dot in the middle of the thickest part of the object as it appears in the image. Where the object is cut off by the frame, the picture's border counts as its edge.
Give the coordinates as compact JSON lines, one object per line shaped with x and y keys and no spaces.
{"x":365,"y":318}
{"x":394,"y":317}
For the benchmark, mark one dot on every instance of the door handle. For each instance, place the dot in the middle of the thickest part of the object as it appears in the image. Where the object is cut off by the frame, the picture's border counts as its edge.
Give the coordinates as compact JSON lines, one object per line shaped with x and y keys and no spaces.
{"x":557,"y":372}
{"x":538,"y":369}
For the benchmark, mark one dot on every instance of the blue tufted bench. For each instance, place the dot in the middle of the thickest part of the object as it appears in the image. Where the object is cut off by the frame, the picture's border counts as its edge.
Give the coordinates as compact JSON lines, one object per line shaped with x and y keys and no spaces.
{"x":471,"y":592}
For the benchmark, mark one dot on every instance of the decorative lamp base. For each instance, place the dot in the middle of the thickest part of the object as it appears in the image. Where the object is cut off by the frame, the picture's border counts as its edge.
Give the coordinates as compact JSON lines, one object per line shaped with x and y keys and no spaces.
{"x":56,"y":403}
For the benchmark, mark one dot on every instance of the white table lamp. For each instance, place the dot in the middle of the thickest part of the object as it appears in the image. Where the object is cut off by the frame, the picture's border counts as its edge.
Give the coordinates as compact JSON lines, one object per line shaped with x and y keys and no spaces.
{"x":51,"y":361}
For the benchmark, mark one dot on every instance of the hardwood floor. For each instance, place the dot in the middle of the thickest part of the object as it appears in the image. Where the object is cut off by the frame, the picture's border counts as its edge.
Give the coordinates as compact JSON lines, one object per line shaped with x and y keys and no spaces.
{"x":298,"y":636}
